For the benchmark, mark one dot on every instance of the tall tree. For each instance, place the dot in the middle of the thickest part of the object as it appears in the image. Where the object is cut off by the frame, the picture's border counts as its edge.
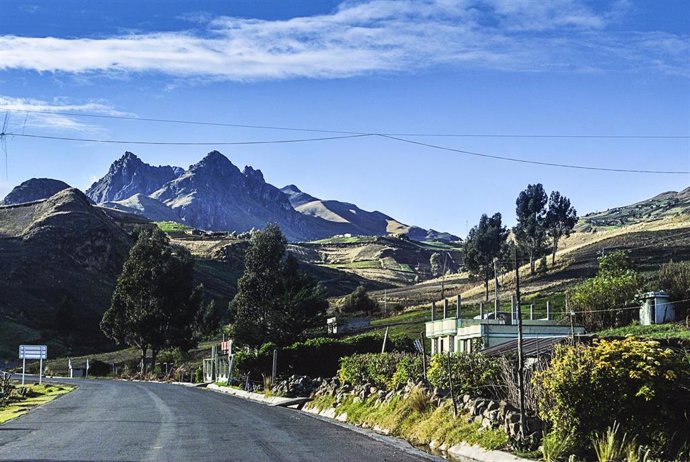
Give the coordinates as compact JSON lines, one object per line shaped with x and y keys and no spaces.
{"x":155,"y":302}
{"x":561,"y":218}
{"x":530,"y":231}
{"x":486,"y":241}
{"x":435,"y":264}
{"x":275,"y":301}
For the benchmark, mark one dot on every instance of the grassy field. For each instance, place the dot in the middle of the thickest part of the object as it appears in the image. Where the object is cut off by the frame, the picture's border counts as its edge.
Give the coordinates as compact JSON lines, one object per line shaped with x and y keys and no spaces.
{"x":36,"y":395}
{"x":439,"y":245}
{"x":172,"y":227}
{"x":656,"y":331}
{"x":362,"y":264}
{"x":346,"y":240}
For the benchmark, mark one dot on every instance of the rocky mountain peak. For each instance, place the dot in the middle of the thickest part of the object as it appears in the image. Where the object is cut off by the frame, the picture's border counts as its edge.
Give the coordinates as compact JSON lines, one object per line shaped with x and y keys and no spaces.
{"x":130,"y":175}
{"x":253,"y":174}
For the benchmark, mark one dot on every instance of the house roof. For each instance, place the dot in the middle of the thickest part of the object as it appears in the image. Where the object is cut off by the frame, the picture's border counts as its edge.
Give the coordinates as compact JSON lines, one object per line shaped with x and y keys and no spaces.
{"x":531,"y":347}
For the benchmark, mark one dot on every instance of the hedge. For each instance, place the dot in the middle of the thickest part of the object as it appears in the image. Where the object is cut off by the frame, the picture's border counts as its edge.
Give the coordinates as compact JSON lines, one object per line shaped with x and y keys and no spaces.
{"x":318,"y":357}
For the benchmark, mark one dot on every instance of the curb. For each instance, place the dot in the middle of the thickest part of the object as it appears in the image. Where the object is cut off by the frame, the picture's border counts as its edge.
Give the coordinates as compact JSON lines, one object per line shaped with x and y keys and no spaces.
{"x":471,"y":453}
{"x":270,"y":400}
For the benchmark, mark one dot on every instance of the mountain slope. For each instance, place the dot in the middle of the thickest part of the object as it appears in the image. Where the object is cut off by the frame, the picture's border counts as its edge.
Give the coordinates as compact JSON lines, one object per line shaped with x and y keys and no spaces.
{"x":128,"y":176}
{"x":60,"y":253}
{"x":333,"y":217}
{"x":667,"y":204}
{"x":140,"y":204}
{"x":33,"y":190}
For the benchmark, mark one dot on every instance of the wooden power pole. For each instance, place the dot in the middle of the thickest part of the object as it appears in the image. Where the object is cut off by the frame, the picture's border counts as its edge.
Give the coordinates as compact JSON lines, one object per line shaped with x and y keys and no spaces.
{"x":521,"y":359}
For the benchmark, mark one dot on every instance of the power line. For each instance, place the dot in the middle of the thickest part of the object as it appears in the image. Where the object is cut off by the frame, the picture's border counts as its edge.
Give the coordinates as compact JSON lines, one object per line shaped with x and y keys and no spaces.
{"x":533,"y":162}
{"x":182,"y":143}
{"x":350,"y":132}
{"x":345,"y":135}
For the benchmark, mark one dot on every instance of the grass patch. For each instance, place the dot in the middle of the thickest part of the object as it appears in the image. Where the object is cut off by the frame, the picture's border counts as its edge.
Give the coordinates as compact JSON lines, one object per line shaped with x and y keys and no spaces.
{"x":441,"y":245}
{"x":322,"y":402}
{"x":346,"y":240}
{"x":655,"y":331}
{"x":361,"y":264}
{"x":404,"y":418}
{"x":36,"y":395}
{"x":172,"y":227}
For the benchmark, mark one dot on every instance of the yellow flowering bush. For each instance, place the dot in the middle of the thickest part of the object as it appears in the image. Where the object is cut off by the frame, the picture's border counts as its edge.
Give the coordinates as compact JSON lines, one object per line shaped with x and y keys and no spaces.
{"x":637,"y":383}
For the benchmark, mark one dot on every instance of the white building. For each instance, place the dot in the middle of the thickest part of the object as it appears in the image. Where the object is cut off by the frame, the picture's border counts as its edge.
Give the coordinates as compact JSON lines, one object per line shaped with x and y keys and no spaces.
{"x":454,"y":334}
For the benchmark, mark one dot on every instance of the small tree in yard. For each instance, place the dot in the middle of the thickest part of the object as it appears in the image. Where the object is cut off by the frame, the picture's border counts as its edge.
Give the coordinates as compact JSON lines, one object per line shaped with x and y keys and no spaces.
{"x":155,"y":302}
{"x":561,"y":218}
{"x":275,"y":301}
{"x":603,"y":298}
{"x":359,"y":301}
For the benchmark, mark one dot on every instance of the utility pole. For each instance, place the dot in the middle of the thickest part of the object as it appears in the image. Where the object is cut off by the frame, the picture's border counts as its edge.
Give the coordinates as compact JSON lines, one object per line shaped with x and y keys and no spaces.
{"x":521,"y":359}
{"x":421,"y":339}
{"x":385,"y":302}
{"x":443,"y":276}
{"x":572,"y":320}
{"x":496,"y":302}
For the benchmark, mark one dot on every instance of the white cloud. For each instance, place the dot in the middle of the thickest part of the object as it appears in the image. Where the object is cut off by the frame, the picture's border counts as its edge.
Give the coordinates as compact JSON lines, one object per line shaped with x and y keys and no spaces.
{"x":34,"y":113}
{"x":362,"y":37}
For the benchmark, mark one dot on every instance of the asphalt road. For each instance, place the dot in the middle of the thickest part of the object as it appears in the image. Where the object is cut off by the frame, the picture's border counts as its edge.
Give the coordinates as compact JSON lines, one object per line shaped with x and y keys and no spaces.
{"x":107,"y":420}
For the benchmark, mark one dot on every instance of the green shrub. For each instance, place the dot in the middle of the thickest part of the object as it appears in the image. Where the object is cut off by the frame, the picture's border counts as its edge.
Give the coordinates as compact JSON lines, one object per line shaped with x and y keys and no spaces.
{"x":99,"y":368}
{"x":410,"y":367}
{"x":375,"y":368}
{"x":317,"y":357}
{"x":674,"y":278}
{"x":602,"y":298}
{"x":472,"y":373}
{"x":637,"y":383}
{"x":554,"y":447}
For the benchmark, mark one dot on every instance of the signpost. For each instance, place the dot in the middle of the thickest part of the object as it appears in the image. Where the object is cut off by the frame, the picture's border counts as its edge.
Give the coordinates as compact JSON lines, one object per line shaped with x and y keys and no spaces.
{"x":39,"y":352}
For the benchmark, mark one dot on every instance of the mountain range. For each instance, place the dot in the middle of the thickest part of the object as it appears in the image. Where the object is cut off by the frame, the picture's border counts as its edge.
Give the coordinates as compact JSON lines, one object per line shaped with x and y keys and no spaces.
{"x":215,"y":195}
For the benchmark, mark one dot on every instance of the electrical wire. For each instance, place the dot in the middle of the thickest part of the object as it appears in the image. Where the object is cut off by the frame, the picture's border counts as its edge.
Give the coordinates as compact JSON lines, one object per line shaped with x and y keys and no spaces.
{"x":534,"y":162}
{"x":349,"y":134}
{"x":346,"y":132}
{"x":183,"y":143}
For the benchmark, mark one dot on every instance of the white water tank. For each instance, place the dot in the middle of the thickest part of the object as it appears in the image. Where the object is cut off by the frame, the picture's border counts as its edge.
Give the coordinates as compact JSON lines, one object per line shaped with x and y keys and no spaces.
{"x":657,"y":309}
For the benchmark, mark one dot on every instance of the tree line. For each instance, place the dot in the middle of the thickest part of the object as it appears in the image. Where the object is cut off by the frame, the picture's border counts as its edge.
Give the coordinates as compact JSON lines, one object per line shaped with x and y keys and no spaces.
{"x":542,"y":220}
{"x":156,"y":304}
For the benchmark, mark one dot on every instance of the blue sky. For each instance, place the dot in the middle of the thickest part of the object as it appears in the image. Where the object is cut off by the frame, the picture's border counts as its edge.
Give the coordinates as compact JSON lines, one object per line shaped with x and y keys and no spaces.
{"x":466,"y":67}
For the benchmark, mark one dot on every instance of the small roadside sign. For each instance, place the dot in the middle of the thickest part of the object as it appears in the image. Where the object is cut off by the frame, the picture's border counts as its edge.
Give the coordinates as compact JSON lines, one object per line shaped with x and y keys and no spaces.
{"x":39,"y":352}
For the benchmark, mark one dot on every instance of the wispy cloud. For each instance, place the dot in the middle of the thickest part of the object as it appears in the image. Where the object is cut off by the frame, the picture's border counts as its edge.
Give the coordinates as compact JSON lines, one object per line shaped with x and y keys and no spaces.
{"x":56,"y":114}
{"x":362,"y":37}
